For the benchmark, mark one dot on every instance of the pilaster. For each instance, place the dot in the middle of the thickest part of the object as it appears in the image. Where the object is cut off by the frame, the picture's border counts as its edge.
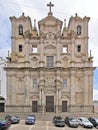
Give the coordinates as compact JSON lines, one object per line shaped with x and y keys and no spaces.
{"x":86,"y":91}
{"x":72,"y":88}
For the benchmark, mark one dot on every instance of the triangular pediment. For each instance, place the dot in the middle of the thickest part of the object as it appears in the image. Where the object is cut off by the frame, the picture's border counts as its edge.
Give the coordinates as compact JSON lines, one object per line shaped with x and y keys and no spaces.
{"x":50,"y":46}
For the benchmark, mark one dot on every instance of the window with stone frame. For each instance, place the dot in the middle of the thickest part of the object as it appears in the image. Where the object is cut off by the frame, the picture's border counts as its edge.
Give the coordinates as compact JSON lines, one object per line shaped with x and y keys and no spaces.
{"x":50,"y":61}
{"x":65,"y":48}
{"x":35,"y":84}
{"x":20,"y":29}
{"x":79,"y":30}
{"x":20,"y":48}
{"x":64,"y":83}
{"x":34,"y":49}
{"x":78,"y":48}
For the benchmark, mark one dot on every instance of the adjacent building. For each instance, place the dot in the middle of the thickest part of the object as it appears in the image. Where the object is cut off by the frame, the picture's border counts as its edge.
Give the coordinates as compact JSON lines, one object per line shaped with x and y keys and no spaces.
{"x":2,"y":84}
{"x":95,"y":103}
{"x":49,"y":69}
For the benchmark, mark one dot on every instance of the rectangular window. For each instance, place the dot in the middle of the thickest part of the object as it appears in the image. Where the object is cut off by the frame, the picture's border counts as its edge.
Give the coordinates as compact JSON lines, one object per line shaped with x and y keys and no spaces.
{"x":64,"y":83}
{"x":79,"y":48}
{"x":50,"y":61}
{"x":35,"y":84}
{"x":20,"y":48}
{"x":34,"y":49}
{"x":65,"y":49}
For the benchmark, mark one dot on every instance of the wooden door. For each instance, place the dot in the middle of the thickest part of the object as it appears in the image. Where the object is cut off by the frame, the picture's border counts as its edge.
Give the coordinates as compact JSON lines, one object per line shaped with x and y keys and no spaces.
{"x":34,"y":106}
{"x":64,"y":106}
{"x":49,"y":103}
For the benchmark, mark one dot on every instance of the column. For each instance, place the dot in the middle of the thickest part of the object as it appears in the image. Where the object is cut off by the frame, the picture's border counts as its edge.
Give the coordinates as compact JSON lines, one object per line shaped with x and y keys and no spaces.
{"x":43,"y":101}
{"x":57,"y":101}
{"x":8,"y":87}
{"x":42,"y":53}
{"x":13,"y":88}
{"x":72,"y":88}
{"x":27,"y":49}
{"x":73,"y":49}
{"x":58,"y":61}
{"x":86,"y":92}
{"x":25,"y":90}
{"x":9,"y":95}
{"x":58,"y":48}
{"x":91,"y":88}
{"x":40,"y":96}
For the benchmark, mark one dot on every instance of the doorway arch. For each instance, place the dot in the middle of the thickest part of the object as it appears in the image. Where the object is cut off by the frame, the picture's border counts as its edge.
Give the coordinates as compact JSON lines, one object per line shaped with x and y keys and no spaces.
{"x":2,"y":104}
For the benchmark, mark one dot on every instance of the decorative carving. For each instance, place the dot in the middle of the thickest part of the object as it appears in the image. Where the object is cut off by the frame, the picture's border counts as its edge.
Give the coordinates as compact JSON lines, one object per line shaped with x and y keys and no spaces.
{"x":84,"y":58}
{"x":50,"y":36}
{"x":50,"y":82}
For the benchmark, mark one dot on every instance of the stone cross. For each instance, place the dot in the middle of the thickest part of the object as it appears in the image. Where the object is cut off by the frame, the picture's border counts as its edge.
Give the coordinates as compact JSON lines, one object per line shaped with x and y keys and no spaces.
{"x":50,"y":5}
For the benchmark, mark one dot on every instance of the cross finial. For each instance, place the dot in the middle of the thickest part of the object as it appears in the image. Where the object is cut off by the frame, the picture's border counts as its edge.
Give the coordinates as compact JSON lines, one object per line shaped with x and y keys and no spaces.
{"x":50,"y":5}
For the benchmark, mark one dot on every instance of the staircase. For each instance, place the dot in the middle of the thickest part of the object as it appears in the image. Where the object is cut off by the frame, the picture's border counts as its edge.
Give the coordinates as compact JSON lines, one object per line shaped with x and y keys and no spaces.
{"x":49,"y":116}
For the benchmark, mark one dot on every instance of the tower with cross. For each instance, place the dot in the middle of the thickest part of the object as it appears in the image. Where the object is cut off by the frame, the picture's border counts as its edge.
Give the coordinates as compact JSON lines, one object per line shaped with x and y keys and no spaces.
{"x":50,"y":5}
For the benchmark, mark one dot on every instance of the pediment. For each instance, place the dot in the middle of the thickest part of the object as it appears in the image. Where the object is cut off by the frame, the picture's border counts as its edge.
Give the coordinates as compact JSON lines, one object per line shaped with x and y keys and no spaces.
{"x":65,"y":58}
{"x":50,"y":46}
{"x":34,"y":58}
{"x":50,"y":21}
{"x":50,"y":24}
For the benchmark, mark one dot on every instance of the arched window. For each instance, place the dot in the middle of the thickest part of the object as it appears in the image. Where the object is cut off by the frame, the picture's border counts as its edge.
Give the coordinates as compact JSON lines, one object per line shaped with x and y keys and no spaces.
{"x":78,"y":30}
{"x":20,"y":30}
{"x":78,"y":48}
{"x":20,"y":48}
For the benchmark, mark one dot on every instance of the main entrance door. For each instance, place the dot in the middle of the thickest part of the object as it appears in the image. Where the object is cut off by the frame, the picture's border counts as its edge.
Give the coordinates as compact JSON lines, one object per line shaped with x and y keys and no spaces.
{"x":49,"y":103}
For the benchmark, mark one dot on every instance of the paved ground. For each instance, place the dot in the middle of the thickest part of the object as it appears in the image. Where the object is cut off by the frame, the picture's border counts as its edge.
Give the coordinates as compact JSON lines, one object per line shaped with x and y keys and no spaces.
{"x":42,"y":125}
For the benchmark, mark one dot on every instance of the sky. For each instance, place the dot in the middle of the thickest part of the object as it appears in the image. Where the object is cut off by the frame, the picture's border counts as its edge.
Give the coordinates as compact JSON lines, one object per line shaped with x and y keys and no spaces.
{"x":63,"y":9}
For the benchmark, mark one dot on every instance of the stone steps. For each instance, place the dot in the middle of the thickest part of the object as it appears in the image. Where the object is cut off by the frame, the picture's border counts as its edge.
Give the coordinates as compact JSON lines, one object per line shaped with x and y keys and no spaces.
{"x":49,"y":116}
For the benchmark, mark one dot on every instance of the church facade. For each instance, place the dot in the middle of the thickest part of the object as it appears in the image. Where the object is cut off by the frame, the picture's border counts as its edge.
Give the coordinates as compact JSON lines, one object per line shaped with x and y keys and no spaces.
{"x":49,"y":68}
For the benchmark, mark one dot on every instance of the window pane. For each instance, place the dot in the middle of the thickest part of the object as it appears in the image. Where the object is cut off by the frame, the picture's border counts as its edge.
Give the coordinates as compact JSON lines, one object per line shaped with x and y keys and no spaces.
{"x":20,"y":30}
{"x":34,"y":49}
{"x":79,"y":48}
{"x":50,"y":61}
{"x":35,"y":84}
{"x":78,"y":30}
{"x":20,"y":48}
{"x":65,"y":49}
{"x":64,"y":83}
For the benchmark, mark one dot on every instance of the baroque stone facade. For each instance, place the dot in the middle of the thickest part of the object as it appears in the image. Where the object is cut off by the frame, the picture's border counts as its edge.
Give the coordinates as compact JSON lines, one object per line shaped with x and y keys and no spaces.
{"x":49,"y":69}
